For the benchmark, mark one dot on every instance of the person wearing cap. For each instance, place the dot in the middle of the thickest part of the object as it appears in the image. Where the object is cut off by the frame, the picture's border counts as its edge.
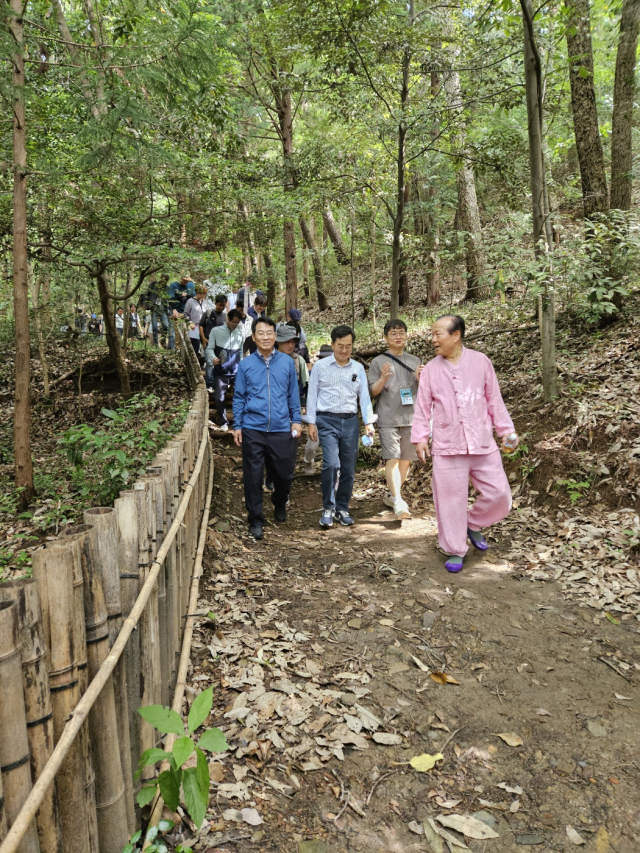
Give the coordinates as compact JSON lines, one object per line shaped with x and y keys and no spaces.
{"x":337,"y":385}
{"x":266,"y":423}
{"x":222,"y":357}
{"x":295,"y":314}
{"x":179,"y":292}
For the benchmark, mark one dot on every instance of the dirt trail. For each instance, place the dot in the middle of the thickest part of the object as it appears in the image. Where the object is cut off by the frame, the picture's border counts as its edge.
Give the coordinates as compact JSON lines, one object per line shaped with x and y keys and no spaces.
{"x":372,"y":612}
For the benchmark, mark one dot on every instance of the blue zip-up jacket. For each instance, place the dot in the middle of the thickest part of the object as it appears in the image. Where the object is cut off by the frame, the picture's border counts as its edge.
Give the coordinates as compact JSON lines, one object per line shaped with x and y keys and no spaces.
{"x":266,"y":396}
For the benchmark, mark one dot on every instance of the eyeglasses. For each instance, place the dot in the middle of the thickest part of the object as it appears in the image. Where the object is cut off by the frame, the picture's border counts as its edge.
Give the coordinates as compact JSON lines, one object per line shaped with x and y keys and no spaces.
{"x":264,"y":333}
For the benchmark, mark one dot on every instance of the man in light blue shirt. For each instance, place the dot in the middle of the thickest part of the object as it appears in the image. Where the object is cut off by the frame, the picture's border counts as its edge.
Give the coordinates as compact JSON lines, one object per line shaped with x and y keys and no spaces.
{"x":222,"y":355}
{"x":336,"y":387}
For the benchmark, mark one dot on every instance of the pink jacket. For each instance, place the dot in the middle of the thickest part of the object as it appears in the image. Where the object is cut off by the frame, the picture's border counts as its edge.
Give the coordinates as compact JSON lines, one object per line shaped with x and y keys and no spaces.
{"x":458,"y":406}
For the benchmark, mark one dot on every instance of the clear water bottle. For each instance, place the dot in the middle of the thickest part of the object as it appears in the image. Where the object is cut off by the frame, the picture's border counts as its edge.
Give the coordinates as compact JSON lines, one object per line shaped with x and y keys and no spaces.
{"x":223,"y":356}
{"x":510,"y":443}
{"x":367,"y":440}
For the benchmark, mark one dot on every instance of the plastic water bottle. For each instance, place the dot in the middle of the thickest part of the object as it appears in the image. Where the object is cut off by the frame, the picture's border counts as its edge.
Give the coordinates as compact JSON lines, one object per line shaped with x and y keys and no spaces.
{"x":223,"y":356}
{"x":367,"y":440}
{"x":510,"y":442}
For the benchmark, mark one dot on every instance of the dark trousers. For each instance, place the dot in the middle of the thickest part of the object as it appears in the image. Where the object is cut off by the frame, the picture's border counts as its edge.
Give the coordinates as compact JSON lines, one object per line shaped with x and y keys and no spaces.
{"x":279,"y":448}
{"x":339,"y":441}
{"x":166,"y":324}
{"x":195,"y":343}
{"x":220,"y":385}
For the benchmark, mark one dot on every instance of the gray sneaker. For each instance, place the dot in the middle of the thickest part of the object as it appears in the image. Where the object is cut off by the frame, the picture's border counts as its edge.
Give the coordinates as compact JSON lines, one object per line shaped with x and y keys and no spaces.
{"x":326,"y":519}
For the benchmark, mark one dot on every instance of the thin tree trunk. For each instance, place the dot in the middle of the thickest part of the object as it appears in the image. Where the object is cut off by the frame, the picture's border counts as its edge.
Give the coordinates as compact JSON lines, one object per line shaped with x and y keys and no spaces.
{"x":251,"y":245}
{"x":317,"y":263}
{"x":35,"y":286}
{"x":113,"y":341}
{"x":542,"y":237}
{"x":585,"y":114}
{"x":372,"y":290}
{"x":623,"y":96}
{"x":305,"y":270}
{"x":432,"y":228}
{"x":272,"y":283}
{"x":22,"y":411}
{"x":468,"y":213}
{"x":285,"y":120}
{"x":398,"y":220}
{"x":332,"y":231}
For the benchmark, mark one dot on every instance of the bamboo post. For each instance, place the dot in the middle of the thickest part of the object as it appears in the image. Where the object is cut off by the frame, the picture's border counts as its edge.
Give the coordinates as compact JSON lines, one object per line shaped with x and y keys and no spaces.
{"x":155,"y":483}
{"x":14,"y":744}
{"x":3,"y":820}
{"x":104,"y":521}
{"x":127,"y":524}
{"x":173,"y":598}
{"x":79,"y":713}
{"x":37,"y":701}
{"x":53,"y":570}
{"x":111,"y":809}
{"x":148,"y":638}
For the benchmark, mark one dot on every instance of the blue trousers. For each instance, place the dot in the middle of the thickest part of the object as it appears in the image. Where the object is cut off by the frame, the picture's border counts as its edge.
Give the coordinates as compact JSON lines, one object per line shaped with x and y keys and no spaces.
{"x":338,"y":437}
{"x":164,"y":321}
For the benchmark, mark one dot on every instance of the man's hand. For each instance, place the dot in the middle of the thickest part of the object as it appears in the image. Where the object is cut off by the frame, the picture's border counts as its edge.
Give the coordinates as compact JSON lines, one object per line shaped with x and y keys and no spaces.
{"x":313,"y":432}
{"x":419,"y":370}
{"x":296,"y":430}
{"x":237,"y":437}
{"x":216,"y":361}
{"x":175,"y":314}
{"x":386,"y":372}
{"x":370,"y":429}
{"x":422,"y":449}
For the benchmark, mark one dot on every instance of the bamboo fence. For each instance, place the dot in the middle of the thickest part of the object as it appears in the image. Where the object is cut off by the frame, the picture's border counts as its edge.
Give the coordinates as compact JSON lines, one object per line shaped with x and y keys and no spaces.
{"x":73,"y":668}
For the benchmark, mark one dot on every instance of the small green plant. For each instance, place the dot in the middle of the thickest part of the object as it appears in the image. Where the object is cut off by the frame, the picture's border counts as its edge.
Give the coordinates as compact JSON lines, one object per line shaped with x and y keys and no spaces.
{"x":576,"y":490}
{"x":189,"y":785}
{"x":155,"y":844}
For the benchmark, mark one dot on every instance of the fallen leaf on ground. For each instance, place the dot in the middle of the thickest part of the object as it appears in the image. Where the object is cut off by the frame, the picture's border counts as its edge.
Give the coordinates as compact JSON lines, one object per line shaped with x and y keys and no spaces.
{"x":510,"y":789}
{"x":387,"y":622}
{"x":251,"y":817}
{"x":435,"y":841}
{"x":469,"y":826}
{"x":423,"y":763}
{"x":387,"y":739}
{"x":624,"y":698}
{"x":416,"y":827}
{"x":542,"y":713}
{"x":573,"y":836}
{"x":515,"y":805}
{"x":510,"y":738}
{"x":443,"y":678}
{"x":419,"y":664}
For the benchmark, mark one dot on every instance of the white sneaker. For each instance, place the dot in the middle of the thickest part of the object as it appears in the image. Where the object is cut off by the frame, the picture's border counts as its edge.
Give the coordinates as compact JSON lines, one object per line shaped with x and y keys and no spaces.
{"x":389,"y":500}
{"x":401,"y":509}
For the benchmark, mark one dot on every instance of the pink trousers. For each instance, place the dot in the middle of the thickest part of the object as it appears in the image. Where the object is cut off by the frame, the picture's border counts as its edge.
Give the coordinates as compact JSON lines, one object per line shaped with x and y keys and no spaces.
{"x":451,"y":494}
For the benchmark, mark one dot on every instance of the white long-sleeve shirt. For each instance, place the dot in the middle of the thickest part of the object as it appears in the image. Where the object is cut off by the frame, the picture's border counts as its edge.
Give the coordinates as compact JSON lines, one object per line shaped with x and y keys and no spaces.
{"x":338,"y":390}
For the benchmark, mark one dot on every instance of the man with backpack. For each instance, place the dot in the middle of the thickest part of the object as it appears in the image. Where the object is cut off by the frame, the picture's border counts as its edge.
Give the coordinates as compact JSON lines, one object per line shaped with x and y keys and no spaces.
{"x":393,"y":381}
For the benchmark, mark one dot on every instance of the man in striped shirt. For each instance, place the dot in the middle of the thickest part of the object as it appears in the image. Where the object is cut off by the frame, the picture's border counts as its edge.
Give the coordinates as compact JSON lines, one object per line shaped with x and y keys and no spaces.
{"x":336,"y":386}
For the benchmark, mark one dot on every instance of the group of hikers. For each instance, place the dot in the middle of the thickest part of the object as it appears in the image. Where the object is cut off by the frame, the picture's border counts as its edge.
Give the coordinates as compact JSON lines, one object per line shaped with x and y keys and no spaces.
{"x":447,"y":409}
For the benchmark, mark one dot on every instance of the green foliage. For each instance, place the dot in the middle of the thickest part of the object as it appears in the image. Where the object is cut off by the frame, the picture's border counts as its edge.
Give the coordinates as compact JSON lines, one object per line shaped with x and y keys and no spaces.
{"x":576,"y":490}
{"x":192,"y":781}
{"x":106,"y":460}
{"x":151,"y":838}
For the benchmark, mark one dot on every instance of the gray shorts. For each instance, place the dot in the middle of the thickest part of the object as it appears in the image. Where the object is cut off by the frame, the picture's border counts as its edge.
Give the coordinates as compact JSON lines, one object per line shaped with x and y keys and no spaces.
{"x":396,"y":443}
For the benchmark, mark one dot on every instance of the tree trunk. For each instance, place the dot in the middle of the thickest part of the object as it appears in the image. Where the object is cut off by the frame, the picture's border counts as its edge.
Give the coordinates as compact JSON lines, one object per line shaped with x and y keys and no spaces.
{"x":35,"y":286}
{"x":403,"y":284}
{"x":398,"y":220}
{"x":285,"y":123}
{"x":317,"y":263}
{"x":623,"y":96}
{"x":22,"y":410}
{"x":334,"y":235}
{"x":272,"y":283}
{"x":372,"y":291}
{"x":432,"y":229}
{"x":542,"y":237}
{"x":583,"y":105}
{"x":468,"y":213}
{"x":291,"y":286}
{"x":113,"y":341}
{"x":251,"y":245}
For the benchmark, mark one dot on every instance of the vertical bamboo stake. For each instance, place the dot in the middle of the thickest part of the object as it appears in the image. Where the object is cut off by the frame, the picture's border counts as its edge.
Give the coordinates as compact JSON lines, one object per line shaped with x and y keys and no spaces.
{"x":37,"y":701}
{"x":111,"y":808}
{"x":14,"y":744}
{"x":156,"y":484}
{"x":171,"y":577}
{"x":3,"y":820}
{"x":127,"y":523}
{"x":104,"y":521}
{"x":53,"y":569}
{"x":147,"y":670}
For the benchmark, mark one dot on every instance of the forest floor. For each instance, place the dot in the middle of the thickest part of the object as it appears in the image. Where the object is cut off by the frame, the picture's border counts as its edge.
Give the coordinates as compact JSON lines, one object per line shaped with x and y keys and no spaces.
{"x":329,"y":651}
{"x":339,"y":656}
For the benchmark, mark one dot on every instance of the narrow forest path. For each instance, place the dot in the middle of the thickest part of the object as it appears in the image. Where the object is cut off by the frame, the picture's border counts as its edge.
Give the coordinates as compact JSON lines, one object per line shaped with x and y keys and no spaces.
{"x":322,"y":650}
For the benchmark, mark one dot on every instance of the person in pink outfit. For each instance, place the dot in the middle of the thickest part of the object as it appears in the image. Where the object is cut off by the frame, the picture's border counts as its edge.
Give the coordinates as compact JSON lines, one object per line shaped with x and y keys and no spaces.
{"x":458,"y":407}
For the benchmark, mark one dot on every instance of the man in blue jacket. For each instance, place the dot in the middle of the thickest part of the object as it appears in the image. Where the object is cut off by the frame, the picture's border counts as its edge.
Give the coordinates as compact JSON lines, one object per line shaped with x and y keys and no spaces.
{"x":266,"y":423}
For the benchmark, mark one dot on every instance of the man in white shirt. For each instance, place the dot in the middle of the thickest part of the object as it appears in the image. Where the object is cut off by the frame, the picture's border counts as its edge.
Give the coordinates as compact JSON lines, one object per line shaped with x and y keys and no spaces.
{"x":336,"y":386}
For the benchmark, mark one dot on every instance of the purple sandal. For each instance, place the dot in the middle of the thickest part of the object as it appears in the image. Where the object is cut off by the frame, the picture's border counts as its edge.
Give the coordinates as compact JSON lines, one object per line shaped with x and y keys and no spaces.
{"x":453,"y":564}
{"x":477,"y":540}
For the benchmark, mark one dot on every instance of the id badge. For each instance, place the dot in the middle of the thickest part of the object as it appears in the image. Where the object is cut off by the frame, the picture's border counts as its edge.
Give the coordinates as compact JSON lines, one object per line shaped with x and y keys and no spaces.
{"x":406,"y":396}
